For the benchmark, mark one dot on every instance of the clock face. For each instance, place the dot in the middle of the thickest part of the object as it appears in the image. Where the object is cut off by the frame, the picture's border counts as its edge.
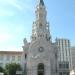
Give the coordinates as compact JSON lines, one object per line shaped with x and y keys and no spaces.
{"x":41,"y":49}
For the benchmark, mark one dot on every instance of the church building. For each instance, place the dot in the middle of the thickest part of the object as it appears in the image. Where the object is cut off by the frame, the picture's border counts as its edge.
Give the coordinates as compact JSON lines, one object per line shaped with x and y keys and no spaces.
{"x":40,"y":55}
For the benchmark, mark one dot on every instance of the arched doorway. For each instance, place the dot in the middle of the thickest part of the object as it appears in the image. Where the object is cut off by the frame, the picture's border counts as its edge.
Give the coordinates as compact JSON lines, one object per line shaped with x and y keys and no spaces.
{"x":40,"y":70}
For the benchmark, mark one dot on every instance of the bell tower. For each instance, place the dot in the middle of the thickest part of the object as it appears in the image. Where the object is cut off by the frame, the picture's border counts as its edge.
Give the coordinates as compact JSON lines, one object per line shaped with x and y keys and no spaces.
{"x":40,"y":26}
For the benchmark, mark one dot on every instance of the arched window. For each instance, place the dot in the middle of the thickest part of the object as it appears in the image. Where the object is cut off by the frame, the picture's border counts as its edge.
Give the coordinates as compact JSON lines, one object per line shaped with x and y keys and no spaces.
{"x":40,"y":26}
{"x":40,"y":69}
{"x":25,"y":56}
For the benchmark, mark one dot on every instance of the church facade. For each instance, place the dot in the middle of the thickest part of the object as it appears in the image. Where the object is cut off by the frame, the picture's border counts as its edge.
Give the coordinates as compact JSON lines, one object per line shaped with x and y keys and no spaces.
{"x":40,"y":55}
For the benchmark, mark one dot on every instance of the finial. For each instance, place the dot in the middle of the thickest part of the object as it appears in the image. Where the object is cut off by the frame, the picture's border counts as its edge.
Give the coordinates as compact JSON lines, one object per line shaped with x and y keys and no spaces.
{"x":25,"y":41}
{"x":41,"y":2}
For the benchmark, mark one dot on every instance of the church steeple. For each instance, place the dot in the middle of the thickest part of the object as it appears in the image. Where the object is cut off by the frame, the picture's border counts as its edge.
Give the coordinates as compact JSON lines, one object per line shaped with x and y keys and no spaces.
{"x":41,"y":2}
{"x":40,"y":26}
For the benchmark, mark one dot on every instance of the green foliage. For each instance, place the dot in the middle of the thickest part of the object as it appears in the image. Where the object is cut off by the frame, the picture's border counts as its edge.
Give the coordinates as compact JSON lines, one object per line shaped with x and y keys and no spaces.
{"x":12,"y":68}
{"x":1,"y":69}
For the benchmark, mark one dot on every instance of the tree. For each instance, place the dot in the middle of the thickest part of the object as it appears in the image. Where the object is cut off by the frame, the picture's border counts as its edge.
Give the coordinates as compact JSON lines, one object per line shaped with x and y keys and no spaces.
{"x":12,"y":68}
{"x":1,"y":69}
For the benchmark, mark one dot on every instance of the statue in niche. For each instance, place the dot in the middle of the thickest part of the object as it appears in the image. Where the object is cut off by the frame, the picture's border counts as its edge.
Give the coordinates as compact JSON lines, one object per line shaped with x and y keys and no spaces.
{"x":25,"y":41}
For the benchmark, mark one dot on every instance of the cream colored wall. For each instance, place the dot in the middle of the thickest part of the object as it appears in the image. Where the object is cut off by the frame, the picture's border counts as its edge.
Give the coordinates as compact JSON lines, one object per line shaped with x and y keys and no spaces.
{"x":5,"y":61}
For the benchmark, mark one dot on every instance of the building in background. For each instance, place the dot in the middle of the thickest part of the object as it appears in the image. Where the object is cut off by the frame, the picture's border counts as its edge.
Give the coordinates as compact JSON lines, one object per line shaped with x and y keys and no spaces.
{"x":64,"y":56}
{"x":73,"y":56}
{"x":10,"y":57}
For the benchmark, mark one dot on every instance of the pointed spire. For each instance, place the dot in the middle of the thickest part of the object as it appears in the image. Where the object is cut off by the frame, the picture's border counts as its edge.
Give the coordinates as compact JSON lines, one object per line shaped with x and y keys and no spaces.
{"x":41,"y":2}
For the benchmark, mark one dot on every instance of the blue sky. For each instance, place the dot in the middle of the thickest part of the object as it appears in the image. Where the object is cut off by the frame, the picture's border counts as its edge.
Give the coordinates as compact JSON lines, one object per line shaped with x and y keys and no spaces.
{"x":17,"y":16}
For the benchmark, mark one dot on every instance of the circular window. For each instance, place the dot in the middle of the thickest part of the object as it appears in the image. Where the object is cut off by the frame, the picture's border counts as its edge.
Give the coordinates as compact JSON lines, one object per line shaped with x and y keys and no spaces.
{"x":41,"y":49}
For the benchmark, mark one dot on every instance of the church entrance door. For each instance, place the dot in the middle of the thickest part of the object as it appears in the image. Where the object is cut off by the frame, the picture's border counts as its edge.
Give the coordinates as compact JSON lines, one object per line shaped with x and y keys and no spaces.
{"x":40,"y":69}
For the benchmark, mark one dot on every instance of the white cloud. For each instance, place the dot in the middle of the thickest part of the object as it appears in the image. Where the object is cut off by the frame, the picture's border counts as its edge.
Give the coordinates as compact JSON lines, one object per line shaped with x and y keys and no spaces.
{"x":20,"y":5}
{"x":13,"y":3}
{"x":8,"y":31}
{"x":6,"y":7}
{"x":9,"y":7}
